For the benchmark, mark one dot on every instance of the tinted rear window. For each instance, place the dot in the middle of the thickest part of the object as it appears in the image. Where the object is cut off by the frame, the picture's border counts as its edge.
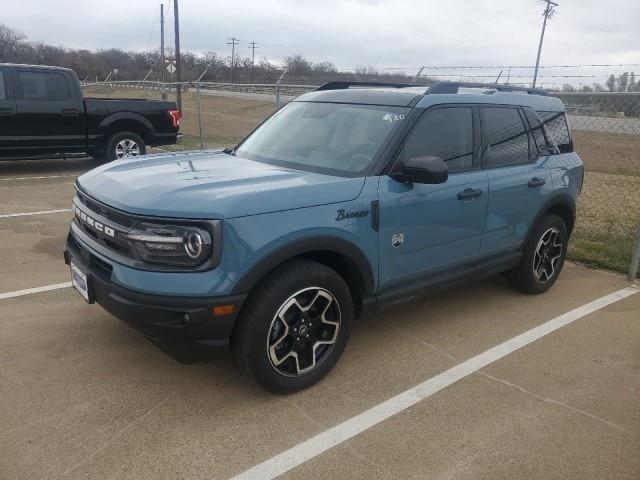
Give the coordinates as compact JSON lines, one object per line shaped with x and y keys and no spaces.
{"x":3,"y":90}
{"x":507,"y":136}
{"x":43,"y":86}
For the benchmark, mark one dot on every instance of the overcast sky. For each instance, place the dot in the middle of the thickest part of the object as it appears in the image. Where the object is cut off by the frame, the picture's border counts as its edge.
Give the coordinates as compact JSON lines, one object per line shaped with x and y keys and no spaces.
{"x":349,"y":33}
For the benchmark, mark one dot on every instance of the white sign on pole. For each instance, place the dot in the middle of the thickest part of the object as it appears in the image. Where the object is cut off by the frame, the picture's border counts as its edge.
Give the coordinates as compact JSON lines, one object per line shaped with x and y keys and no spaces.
{"x":171,"y":68}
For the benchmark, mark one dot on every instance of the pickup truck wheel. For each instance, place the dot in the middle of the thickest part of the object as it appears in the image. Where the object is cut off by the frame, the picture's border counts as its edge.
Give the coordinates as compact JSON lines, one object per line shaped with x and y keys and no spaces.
{"x":294,"y":327}
{"x":125,"y":145}
{"x":543,"y":256}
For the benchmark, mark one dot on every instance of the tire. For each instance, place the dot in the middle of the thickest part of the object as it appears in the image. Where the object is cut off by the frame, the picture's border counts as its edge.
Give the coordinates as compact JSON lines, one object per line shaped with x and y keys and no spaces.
{"x":288,"y":357}
{"x":543,"y":256}
{"x":124,"y":145}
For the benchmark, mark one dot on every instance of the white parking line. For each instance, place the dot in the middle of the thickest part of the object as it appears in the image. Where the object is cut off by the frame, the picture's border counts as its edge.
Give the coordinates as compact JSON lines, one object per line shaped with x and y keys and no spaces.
{"x":342,"y":432}
{"x":11,"y":179}
{"x":26,"y":214}
{"x":29,"y":291}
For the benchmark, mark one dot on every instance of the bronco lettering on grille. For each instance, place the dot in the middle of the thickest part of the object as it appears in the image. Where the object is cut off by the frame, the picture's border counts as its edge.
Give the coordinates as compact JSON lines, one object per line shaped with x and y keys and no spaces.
{"x":93,"y":223}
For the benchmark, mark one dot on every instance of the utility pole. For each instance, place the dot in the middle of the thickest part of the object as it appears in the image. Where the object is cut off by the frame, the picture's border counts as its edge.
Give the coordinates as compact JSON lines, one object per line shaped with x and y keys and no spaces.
{"x":233,"y":41}
{"x":162,"y":65}
{"x":548,"y":13}
{"x":253,"y":47}
{"x":177,"y":33}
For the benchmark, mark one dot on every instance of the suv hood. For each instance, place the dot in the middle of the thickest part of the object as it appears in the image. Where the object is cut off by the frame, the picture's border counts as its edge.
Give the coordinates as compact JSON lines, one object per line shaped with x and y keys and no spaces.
{"x":211,"y":184}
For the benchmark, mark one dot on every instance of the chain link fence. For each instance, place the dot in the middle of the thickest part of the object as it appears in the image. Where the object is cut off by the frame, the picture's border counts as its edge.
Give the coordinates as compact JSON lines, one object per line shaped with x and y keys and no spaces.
{"x":605,"y":129}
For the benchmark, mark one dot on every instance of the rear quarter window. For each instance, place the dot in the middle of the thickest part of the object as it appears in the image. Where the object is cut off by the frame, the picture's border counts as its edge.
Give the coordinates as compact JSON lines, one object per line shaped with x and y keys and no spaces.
{"x":558,"y":129}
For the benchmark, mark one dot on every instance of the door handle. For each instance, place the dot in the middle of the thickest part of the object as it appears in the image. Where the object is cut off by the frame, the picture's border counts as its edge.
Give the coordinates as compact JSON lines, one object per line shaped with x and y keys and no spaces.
{"x":469,"y":193}
{"x":7,"y":112}
{"x":536,"y":182}
{"x":69,"y":112}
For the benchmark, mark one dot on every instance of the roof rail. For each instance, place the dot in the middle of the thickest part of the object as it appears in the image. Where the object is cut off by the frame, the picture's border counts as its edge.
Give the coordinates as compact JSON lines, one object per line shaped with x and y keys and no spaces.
{"x":453,"y":87}
{"x":342,"y":85}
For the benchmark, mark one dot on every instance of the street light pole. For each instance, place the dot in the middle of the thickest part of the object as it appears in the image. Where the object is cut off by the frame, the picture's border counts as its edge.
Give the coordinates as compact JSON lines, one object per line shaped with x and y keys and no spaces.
{"x":177,"y":33}
{"x":162,"y":65}
{"x":548,"y":12}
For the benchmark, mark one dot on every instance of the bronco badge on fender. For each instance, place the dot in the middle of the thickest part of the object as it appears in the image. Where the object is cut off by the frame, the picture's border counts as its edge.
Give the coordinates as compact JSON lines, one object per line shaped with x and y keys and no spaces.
{"x":343,"y":214}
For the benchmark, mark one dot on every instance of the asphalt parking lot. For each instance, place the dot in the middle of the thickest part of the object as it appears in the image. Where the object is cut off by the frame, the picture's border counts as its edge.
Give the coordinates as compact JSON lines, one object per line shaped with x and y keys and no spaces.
{"x":83,"y":396}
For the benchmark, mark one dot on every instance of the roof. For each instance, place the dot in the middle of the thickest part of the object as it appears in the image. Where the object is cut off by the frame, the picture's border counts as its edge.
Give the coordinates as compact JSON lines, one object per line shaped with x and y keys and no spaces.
{"x":365,"y":96}
{"x":404,"y":95}
{"x":42,"y":67}
{"x":537,"y":102}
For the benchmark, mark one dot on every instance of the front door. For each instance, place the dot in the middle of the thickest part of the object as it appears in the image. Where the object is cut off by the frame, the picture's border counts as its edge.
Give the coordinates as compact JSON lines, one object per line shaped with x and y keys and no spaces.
{"x":49,"y":112}
{"x":427,"y":229}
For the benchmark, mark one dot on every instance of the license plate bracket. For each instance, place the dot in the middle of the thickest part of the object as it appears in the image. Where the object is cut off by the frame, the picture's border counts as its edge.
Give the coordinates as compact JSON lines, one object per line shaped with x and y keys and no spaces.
{"x":81,"y":282}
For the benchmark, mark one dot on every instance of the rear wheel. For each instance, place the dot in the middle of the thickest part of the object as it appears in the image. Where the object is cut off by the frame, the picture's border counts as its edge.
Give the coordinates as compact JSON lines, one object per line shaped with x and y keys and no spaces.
{"x":294,"y":327}
{"x":124,"y":145}
{"x":543,"y":256}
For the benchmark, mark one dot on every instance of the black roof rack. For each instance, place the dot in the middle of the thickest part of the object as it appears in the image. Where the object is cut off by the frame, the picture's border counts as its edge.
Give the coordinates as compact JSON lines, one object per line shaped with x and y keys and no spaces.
{"x":453,"y":87}
{"x":342,"y":85}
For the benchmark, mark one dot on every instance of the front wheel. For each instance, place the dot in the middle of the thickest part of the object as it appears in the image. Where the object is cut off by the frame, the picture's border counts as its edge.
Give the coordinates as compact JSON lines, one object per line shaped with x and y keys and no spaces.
{"x":543,"y":256}
{"x":124,"y":145}
{"x":294,"y":327}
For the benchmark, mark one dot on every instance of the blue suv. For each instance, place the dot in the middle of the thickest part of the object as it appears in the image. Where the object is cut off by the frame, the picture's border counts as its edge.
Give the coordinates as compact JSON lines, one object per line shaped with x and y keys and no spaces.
{"x":351,"y":197}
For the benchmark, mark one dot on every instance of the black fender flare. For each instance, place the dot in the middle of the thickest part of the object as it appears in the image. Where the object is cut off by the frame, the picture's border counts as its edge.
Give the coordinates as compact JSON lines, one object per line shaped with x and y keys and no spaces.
{"x":110,"y":120}
{"x":297,"y":248}
{"x":562,"y":199}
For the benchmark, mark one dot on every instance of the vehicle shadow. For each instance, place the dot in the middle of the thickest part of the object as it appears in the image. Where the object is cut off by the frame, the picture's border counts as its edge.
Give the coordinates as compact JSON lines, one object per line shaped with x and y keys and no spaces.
{"x":49,"y":166}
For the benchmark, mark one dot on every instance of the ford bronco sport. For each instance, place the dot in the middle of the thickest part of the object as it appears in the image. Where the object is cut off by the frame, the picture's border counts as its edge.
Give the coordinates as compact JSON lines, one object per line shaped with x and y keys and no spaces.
{"x":350,"y":197}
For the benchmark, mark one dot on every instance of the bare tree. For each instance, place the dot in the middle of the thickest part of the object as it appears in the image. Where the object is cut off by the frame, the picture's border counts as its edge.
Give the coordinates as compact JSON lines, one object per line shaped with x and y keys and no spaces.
{"x":10,"y":43}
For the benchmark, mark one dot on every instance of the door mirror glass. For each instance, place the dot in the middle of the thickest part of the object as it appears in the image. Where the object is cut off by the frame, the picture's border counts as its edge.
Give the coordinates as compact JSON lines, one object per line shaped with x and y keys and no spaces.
{"x":428,"y":170}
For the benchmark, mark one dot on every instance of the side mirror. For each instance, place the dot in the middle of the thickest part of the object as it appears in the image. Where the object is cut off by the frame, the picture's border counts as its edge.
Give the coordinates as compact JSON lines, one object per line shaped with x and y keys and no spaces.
{"x":429,"y":170}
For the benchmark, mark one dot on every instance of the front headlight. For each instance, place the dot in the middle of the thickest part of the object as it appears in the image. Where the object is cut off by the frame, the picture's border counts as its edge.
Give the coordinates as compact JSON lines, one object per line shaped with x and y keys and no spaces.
{"x":176,"y":245}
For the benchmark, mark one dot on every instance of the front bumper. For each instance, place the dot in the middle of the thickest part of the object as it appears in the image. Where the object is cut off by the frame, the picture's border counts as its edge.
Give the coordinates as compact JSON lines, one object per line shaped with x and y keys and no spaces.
{"x":166,"y":320}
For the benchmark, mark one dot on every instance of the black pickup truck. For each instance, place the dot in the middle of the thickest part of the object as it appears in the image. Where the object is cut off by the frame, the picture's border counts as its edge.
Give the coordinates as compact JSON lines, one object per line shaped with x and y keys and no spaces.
{"x":43,"y":112}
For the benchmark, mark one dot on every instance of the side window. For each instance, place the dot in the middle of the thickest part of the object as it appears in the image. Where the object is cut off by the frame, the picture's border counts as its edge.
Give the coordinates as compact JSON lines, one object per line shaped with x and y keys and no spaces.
{"x":508,"y":139}
{"x":4,"y":94}
{"x":556,"y":125}
{"x":43,"y":86}
{"x":446,"y":133}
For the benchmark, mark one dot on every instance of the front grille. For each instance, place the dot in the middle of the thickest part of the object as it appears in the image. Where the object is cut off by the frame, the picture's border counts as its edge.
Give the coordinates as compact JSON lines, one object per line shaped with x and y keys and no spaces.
{"x":105,"y":211}
{"x":104,"y":224}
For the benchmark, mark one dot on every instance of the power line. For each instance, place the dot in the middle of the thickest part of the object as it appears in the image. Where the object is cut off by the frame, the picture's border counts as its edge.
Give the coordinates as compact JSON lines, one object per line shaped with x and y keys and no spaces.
{"x":162,"y":66}
{"x":512,"y":76}
{"x":253,"y":46}
{"x":153,"y":27}
{"x":549,"y":11}
{"x":496,"y":67}
{"x":233,"y":41}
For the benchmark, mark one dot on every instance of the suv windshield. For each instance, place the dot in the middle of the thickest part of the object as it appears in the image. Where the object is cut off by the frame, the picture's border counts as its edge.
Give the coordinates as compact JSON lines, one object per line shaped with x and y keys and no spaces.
{"x":331,"y":138}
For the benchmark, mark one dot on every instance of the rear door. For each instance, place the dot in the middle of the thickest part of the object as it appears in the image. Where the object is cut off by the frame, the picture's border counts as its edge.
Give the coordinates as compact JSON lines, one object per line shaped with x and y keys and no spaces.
{"x":429,"y":229}
{"x":49,"y":112}
{"x":9,"y":137}
{"x":519,"y":179}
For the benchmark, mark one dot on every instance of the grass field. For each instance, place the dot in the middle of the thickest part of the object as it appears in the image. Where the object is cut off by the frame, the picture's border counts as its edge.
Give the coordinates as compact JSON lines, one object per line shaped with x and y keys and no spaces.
{"x":608,"y":210}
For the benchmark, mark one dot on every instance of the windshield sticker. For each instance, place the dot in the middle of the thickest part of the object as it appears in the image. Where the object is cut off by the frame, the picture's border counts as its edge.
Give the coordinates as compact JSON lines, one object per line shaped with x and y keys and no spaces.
{"x":392,"y":117}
